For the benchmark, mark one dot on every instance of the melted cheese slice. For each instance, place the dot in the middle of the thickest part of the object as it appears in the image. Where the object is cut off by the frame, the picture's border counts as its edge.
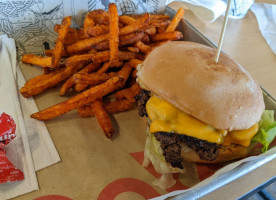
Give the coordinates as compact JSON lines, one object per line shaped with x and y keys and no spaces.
{"x":167,"y":118}
{"x":242,"y":137}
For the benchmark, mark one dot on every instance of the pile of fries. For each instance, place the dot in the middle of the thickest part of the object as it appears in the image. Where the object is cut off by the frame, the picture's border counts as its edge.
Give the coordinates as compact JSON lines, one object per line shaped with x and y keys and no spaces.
{"x":100,"y":60}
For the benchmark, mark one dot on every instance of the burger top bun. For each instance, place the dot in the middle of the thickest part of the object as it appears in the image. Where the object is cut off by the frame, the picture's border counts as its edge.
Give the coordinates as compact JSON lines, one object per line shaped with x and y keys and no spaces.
{"x":221,"y":94}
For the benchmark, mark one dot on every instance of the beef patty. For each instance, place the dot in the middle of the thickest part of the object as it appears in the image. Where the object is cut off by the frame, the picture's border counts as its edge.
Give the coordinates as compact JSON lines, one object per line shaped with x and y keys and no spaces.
{"x":171,"y":142}
{"x":142,"y":99}
{"x":171,"y":146}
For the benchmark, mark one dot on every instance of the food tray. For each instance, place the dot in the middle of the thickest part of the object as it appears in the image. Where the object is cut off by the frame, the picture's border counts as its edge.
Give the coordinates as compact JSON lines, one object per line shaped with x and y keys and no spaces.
{"x":94,"y":167}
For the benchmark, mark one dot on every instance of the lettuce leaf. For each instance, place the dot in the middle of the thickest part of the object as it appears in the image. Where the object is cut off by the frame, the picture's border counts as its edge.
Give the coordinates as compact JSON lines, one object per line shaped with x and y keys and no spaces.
{"x":267,"y":130}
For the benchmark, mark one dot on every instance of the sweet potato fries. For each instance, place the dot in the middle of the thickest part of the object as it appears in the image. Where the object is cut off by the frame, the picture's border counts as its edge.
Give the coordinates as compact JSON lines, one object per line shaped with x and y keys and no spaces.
{"x":100,"y":62}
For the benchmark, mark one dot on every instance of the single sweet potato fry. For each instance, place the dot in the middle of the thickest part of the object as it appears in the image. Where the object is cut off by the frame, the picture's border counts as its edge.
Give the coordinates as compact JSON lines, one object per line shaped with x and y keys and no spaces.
{"x":158,"y":23}
{"x":103,"y":118}
{"x":154,"y":17}
{"x":70,"y":82}
{"x":97,"y":30}
{"x":73,"y":60}
{"x":65,"y":25}
{"x":133,"y":49}
{"x":118,"y":64}
{"x":103,"y":56}
{"x":80,"y":87}
{"x":66,"y":86}
{"x":134,"y":74}
{"x":112,"y":107}
{"x":113,"y":34}
{"x":88,"y":22}
{"x":133,"y":91}
{"x":127,"y":55}
{"x":150,"y":31}
{"x":142,"y":47}
{"x":47,"y":70}
{"x":86,"y":97}
{"x":85,"y":45}
{"x":175,"y":35}
{"x":161,"y":29}
{"x":99,"y":16}
{"x":124,"y":73}
{"x":125,"y":19}
{"x":102,"y":46}
{"x":137,"y":25}
{"x":175,"y":21}
{"x":157,"y":44}
{"x":128,"y":93}
{"x":123,"y":41}
{"x":71,"y":37}
{"x":104,"y":68}
{"x":81,"y":35}
{"x":134,"y":62}
{"x":92,"y":51}
{"x":93,"y":78}
{"x":130,"y":38}
{"x":40,"y":83}
{"x":37,"y":60}
{"x":145,"y":39}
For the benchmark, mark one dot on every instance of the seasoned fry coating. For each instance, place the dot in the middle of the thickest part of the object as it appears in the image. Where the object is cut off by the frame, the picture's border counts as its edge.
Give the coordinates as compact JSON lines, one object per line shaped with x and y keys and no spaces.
{"x":128,"y":93}
{"x":79,"y":100}
{"x":85,"y":45}
{"x":123,"y":41}
{"x":99,"y":62}
{"x":88,"y":22}
{"x":65,"y":25}
{"x":150,"y":31}
{"x":40,"y":83}
{"x":92,"y":79}
{"x":133,"y":49}
{"x":125,"y":19}
{"x":112,"y":107}
{"x":142,"y":47}
{"x":37,"y":60}
{"x":175,"y":21}
{"x":70,"y":82}
{"x":97,"y":30}
{"x":134,"y":62}
{"x":113,"y":34}
{"x":176,"y":35}
{"x":103,"y":56}
{"x":103,"y":118}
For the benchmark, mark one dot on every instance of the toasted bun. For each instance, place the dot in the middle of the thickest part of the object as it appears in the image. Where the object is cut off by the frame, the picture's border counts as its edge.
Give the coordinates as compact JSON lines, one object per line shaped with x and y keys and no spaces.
{"x":221,"y":94}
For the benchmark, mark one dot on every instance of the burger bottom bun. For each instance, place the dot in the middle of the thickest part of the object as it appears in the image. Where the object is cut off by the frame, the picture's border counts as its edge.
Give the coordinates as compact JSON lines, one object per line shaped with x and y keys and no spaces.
{"x":226,"y":153}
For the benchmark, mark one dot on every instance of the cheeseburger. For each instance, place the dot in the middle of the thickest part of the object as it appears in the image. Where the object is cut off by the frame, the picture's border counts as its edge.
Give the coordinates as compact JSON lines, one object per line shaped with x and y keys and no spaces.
{"x":197,"y":110}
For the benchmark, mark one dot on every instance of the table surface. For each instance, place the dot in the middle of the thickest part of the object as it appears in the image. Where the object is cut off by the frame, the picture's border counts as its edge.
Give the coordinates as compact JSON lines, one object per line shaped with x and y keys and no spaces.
{"x":244,"y":43}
